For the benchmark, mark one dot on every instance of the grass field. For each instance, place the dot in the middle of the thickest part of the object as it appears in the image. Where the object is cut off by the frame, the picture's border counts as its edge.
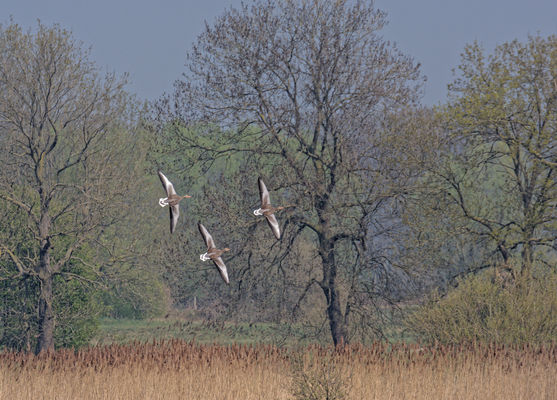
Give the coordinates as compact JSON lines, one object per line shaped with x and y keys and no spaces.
{"x":180,"y":370}
{"x":190,"y":328}
{"x":120,"y":331}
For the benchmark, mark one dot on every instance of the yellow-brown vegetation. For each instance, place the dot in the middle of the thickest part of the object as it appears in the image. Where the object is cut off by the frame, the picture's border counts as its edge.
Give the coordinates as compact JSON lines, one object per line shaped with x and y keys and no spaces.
{"x":180,"y":370}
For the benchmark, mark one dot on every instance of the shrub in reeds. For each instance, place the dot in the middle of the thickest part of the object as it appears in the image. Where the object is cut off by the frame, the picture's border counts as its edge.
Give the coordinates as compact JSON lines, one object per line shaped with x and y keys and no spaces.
{"x":318,"y":376}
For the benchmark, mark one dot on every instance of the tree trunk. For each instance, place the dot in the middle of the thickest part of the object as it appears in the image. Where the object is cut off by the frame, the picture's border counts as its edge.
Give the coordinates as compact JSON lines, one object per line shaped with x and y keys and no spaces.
{"x":334,"y":312}
{"x":527,"y":260}
{"x":46,"y":317}
{"x":336,"y":319}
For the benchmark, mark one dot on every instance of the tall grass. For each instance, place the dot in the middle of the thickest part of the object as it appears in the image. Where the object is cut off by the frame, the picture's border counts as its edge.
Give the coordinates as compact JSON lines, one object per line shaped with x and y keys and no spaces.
{"x":180,"y":370}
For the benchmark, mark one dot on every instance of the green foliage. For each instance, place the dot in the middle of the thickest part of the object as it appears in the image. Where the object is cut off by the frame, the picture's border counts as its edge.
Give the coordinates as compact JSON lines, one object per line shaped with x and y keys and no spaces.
{"x":502,"y":120}
{"x":128,"y":253}
{"x":482,"y":309}
{"x":135,"y":294}
{"x":490,"y":195}
{"x":76,"y":309}
{"x":224,"y":191}
{"x":69,"y":237}
{"x":17,"y":314}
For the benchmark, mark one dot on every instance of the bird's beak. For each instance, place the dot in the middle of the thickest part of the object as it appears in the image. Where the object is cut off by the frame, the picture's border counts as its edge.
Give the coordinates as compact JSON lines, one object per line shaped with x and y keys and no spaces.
{"x":187,"y":196}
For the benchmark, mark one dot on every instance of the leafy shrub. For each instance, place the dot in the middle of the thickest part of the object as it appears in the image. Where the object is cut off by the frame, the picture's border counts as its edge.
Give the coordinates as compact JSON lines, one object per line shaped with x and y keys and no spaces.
{"x":482,"y":309}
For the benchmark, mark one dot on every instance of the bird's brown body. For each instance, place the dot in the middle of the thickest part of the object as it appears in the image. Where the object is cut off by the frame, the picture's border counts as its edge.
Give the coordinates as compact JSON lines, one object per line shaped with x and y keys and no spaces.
{"x":213,"y":253}
{"x":172,"y":201}
{"x":267,"y":209}
{"x":271,"y":210}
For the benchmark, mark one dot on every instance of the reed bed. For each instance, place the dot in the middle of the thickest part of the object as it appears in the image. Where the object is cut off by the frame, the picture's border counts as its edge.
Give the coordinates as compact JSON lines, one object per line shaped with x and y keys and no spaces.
{"x":180,"y":370}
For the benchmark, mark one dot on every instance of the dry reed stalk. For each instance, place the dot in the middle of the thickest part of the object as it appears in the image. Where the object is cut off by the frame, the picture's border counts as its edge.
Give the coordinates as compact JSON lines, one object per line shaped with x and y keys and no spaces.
{"x":180,"y":370}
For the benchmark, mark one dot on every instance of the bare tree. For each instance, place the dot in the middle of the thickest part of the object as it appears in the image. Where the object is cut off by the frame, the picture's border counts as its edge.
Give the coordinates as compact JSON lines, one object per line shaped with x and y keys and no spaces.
{"x":61,"y":127}
{"x":310,"y":88}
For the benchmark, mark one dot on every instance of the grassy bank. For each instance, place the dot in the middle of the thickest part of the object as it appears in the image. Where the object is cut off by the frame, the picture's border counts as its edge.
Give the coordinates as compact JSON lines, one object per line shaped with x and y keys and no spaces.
{"x":129,"y":330}
{"x":188,"y":327}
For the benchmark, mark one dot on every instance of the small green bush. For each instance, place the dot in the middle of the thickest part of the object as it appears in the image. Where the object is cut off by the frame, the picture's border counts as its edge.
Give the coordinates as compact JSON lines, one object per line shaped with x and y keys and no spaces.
{"x":482,"y":309}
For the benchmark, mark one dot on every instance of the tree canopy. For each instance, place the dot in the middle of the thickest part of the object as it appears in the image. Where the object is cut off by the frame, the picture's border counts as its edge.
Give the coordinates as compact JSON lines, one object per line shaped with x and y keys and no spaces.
{"x":64,"y":132}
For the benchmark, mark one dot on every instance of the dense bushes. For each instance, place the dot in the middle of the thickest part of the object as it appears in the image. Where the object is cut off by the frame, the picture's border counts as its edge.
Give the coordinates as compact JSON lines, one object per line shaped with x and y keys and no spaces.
{"x":76,"y":309}
{"x":485,"y":309}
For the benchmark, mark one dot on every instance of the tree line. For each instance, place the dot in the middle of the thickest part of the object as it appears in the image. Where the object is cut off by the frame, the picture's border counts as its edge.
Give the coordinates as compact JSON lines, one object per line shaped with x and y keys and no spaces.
{"x":392,"y":199}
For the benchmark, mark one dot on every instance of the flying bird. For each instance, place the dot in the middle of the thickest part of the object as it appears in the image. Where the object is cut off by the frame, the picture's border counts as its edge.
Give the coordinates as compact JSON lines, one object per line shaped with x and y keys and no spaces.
{"x":267,"y":209}
{"x":172,"y":200}
{"x":213,"y":253}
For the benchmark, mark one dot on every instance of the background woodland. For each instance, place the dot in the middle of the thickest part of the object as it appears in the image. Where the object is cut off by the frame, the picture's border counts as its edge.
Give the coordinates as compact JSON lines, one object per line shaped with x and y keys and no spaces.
{"x":429,"y":223}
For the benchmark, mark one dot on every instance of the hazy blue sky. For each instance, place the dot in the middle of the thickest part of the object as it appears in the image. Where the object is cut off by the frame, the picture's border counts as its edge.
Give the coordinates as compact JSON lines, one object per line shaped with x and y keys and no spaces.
{"x":149,"y":38}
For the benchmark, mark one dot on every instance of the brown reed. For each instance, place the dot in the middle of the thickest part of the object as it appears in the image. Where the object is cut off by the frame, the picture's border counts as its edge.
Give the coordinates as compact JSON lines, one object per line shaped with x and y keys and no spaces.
{"x":177,"y":369}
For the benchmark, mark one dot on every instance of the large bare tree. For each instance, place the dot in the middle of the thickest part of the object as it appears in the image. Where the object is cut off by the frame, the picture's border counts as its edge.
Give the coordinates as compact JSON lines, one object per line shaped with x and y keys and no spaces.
{"x":310,"y":89}
{"x":61,"y":125}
